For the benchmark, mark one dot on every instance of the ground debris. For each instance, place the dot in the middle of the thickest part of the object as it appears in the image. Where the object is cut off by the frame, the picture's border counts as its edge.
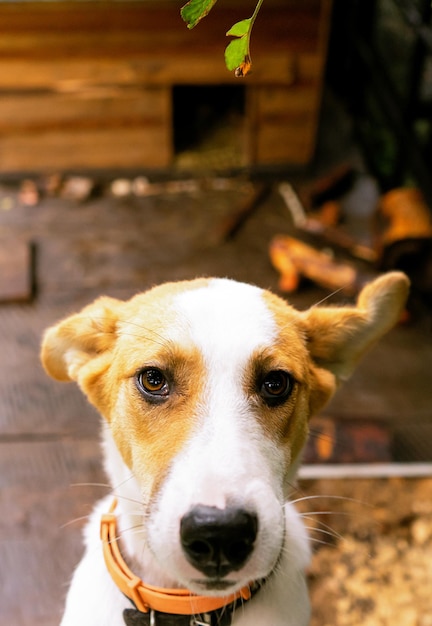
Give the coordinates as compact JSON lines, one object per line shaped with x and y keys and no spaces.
{"x":384,"y":580}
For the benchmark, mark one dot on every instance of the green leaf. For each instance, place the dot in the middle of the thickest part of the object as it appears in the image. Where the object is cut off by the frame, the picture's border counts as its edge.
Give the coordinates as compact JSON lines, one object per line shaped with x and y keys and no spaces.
{"x":236,"y":53}
{"x":240,"y":29}
{"x":195,"y":10}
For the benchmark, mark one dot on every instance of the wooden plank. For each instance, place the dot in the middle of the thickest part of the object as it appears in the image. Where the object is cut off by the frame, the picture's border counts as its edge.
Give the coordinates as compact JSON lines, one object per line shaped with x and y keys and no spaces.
{"x":68,"y":74}
{"x":152,"y":69}
{"x":78,"y":49}
{"x":46,"y":407}
{"x":40,"y":546}
{"x":310,"y":67}
{"x":89,"y":148}
{"x":15,"y":270}
{"x":93,"y":128}
{"x":282,"y":123}
{"x":278,"y":142}
{"x":136,"y":42}
{"x":93,"y":107}
{"x":292,"y":21}
{"x":300,"y":100}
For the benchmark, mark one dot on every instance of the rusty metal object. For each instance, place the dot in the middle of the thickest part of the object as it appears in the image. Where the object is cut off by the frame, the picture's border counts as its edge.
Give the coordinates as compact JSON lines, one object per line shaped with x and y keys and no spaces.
{"x":405,"y":241}
{"x":406,"y":216}
{"x":348,"y":441}
{"x":294,"y":258}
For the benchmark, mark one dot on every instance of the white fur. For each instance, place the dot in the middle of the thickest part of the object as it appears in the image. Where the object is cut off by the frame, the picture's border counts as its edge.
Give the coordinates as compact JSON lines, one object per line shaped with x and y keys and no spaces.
{"x":214,"y":439}
{"x":228,"y":459}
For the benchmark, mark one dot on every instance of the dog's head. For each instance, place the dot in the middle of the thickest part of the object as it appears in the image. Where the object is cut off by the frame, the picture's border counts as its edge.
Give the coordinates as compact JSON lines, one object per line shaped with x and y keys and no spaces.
{"x":207,"y":387}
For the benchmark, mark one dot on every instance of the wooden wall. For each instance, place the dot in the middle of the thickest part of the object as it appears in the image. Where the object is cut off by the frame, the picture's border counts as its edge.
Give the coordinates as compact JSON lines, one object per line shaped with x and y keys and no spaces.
{"x":89,"y":84}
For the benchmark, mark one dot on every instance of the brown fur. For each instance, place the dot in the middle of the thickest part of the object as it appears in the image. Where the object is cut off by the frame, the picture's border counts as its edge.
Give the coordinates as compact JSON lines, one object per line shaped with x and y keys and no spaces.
{"x":104,"y":346}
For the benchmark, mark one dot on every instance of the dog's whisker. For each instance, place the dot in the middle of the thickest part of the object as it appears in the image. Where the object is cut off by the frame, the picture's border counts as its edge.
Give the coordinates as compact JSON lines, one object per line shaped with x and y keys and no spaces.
{"x":112,"y":491}
{"x":241,"y":606}
{"x":119,"y":496}
{"x":321,"y":524}
{"x":330,"y":532}
{"x":159,"y":340}
{"x":312,"y":540}
{"x":317,"y":434}
{"x":329,"y":296}
{"x":134,"y":512}
{"x":316,"y":541}
{"x":132,"y":530}
{"x":124,"y":482}
{"x":76,"y":520}
{"x":143,"y":337}
{"x":102,"y":485}
{"x":331,"y":497}
{"x":117,"y":537}
{"x":306,"y":514}
{"x":148,"y":331}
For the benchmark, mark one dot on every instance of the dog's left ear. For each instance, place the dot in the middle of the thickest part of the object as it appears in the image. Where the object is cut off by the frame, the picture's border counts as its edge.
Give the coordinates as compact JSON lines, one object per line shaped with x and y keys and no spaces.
{"x":339,"y":336}
{"x":80,"y":340}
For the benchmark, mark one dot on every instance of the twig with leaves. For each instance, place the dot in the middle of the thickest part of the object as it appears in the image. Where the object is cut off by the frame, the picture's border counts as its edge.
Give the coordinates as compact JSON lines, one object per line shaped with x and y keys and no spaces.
{"x":237,"y":52}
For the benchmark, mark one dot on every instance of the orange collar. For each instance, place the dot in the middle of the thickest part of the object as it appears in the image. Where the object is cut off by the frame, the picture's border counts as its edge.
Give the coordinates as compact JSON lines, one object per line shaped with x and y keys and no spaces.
{"x":146,"y":597}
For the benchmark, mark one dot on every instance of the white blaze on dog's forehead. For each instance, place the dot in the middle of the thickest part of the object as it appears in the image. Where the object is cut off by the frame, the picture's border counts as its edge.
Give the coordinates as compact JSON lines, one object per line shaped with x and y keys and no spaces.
{"x":226,"y":316}
{"x":229,"y":458}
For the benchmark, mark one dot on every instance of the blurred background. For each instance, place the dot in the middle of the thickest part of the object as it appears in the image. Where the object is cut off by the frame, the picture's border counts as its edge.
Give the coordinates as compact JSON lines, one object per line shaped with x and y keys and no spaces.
{"x":130,"y":155}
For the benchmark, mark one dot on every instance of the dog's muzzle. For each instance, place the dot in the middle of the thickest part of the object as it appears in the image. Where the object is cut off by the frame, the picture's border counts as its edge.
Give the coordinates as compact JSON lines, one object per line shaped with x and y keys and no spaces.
{"x":154,"y":606}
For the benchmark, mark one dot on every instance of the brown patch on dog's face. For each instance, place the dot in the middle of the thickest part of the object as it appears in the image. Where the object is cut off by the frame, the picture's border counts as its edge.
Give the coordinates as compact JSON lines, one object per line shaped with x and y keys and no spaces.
{"x":106,"y":356}
{"x":150,"y":430}
{"x":281,"y":414}
{"x":106,"y":346}
{"x":324,"y":344}
{"x":311,"y":387}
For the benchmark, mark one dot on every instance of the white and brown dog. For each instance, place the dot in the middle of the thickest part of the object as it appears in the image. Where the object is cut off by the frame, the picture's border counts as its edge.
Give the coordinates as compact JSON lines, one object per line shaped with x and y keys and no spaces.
{"x":206,"y":387}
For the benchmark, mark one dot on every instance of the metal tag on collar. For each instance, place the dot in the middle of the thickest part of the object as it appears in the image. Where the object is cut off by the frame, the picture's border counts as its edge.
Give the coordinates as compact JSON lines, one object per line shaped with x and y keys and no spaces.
{"x":133,"y":617}
{"x":203,"y":620}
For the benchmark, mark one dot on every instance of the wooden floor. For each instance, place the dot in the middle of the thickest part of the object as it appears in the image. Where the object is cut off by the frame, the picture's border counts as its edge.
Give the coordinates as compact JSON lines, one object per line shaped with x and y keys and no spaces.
{"x":49,"y":450}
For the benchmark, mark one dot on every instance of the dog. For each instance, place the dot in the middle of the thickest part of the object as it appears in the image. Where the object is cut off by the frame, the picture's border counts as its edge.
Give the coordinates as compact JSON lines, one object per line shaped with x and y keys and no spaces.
{"x":206,"y":388}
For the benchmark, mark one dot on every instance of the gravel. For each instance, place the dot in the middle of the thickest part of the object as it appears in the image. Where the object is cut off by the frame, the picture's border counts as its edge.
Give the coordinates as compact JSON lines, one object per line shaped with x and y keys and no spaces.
{"x":372,"y":563}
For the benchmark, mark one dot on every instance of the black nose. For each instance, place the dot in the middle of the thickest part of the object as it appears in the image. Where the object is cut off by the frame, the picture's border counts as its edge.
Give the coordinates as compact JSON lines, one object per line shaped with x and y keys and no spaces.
{"x":218,"y":541}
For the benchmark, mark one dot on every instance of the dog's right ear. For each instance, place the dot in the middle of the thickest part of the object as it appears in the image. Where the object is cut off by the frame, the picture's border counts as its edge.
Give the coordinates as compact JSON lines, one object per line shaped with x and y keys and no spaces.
{"x":338,"y":337}
{"x":86,"y":336}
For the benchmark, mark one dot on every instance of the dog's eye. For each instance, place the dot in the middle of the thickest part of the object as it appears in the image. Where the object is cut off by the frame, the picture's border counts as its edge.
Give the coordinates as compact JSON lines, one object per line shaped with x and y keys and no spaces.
{"x":151,"y":381}
{"x":276,"y":387}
